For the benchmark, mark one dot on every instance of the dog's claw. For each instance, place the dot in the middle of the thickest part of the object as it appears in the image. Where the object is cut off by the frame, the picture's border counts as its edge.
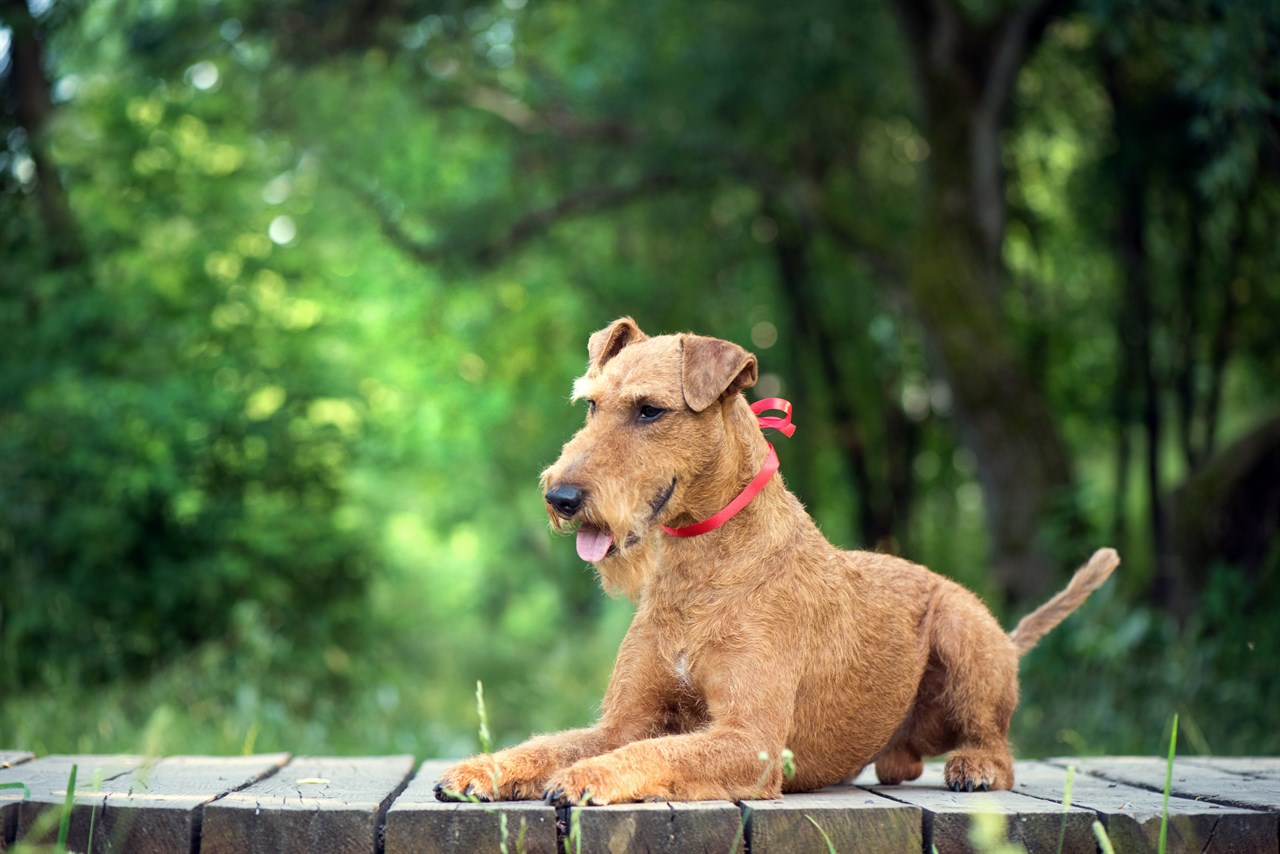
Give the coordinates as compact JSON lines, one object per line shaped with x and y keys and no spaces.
{"x":967,"y":785}
{"x":445,"y":794}
{"x":560,"y":799}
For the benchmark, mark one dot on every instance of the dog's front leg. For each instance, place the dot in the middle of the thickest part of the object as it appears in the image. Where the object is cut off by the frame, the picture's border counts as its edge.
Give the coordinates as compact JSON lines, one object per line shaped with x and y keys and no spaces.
{"x":521,"y":772}
{"x":633,"y":709}
{"x":737,"y":756}
{"x":719,"y":763}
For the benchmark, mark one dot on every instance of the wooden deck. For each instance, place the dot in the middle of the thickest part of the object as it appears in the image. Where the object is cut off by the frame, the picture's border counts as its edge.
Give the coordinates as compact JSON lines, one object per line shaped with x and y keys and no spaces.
{"x":278,"y":803}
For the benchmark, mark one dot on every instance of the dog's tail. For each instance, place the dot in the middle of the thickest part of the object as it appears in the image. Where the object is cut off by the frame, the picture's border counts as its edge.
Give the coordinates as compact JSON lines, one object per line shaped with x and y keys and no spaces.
{"x":1042,"y":620}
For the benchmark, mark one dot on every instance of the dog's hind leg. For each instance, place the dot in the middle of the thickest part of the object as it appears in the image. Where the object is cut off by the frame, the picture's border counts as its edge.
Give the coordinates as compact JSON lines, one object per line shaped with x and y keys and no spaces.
{"x":898,"y":763}
{"x":978,"y":691}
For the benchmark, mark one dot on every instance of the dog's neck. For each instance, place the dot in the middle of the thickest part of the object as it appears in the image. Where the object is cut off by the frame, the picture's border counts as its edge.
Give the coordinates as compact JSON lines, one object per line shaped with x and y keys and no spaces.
{"x":772,"y":521}
{"x":737,"y":463}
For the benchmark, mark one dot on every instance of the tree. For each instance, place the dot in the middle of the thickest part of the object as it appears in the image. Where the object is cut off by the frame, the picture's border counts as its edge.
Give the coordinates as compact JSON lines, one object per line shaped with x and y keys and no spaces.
{"x":965,"y":68}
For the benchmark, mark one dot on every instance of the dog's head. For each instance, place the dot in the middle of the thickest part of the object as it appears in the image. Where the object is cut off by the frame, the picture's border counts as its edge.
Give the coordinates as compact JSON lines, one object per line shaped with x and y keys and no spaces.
{"x":665,"y":419}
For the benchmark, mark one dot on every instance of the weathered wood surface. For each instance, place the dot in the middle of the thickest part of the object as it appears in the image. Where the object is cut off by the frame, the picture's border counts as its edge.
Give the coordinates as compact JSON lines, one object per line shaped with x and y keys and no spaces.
{"x":668,"y":828}
{"x":1210,"y":782}
{"x":335,"y":804}
{"x":198,"y":804}
{"x":46,"y":779}
{"x":417,"y":822}
{"x":149,"y":807}
{"x":948,"y":821}
{"x":1132,"y":815}
{"x":852,"y":818}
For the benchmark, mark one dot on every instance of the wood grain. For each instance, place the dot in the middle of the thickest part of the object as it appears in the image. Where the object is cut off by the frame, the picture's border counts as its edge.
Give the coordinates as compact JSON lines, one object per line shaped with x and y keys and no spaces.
{"x":852,"y":818}
{"x":329,"y":804}
{"x":150,"y":807}
{"x":1132,"y":815}
{"x":417,"y":822}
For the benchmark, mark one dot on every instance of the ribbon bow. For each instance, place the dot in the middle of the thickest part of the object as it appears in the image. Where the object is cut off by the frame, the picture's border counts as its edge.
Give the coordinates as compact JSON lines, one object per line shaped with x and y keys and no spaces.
{"x":780,"y":423}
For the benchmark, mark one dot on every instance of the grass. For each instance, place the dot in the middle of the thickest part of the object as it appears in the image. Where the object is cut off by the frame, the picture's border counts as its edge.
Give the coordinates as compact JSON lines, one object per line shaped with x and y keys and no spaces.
{"x":1168,"y":784}
{"x":1066,"y":805}
{"x":831,"y":848}
{"x":64,"y":826}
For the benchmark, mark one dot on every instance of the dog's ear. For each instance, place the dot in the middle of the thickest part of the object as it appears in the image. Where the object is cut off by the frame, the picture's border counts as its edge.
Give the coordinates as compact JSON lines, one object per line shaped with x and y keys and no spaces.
{"x":608,"y":342}
{"x":713,"y":368}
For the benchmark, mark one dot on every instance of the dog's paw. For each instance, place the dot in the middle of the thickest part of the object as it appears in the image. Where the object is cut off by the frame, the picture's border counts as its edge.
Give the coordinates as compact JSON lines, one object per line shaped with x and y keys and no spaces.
{"x":587,"y":783}
{"x":968,"y":771}
{"x":484,"y":778}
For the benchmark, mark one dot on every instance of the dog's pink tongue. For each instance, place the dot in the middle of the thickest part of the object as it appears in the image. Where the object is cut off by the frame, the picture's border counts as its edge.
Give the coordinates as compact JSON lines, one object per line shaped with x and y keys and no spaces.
{"x":593,"y":543}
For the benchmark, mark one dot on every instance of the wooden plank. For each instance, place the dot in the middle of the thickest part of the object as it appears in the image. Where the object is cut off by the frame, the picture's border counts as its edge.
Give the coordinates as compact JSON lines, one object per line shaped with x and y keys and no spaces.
{"x":314,"y":804}
{"x":10,"y":758}
{"x":657,"y":828}
{"x":417,"y":822}
{"x":852,"y":818}
{"x":46,"y":778}
{"x":1267,"y":767}
{"x":1189,"y":780}
{"x":1132,"y":815}
{"x":153,"y":807}
{"x":1029,"y":823}
{"x":9,"y":806}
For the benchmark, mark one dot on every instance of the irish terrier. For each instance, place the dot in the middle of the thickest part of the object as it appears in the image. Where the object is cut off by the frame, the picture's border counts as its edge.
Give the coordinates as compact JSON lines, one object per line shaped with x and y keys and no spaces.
{"x":752,"y":633}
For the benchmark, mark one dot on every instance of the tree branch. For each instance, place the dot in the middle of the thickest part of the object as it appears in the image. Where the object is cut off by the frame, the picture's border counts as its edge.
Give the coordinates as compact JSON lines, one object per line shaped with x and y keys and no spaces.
{"x":559,"y":122}
{"x":534,"y":224}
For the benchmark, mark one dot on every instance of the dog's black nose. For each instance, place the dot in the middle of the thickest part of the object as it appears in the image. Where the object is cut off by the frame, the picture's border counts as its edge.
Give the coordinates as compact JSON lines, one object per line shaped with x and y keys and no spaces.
{"x":565,"y":499}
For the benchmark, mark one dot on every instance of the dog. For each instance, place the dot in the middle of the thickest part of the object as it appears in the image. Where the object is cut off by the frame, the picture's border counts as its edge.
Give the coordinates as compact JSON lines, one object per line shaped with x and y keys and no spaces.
{"x":752,"y":635}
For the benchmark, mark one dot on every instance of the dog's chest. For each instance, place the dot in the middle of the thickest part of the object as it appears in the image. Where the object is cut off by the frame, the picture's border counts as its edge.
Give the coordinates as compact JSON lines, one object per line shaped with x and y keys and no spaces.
{"x":686,"y":708}
{"x":682,"y":671}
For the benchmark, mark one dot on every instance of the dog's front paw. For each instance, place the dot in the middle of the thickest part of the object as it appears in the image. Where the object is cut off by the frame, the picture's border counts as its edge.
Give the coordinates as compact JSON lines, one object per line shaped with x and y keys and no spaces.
{"x":592,"y":782}
{"x":486,"y":778}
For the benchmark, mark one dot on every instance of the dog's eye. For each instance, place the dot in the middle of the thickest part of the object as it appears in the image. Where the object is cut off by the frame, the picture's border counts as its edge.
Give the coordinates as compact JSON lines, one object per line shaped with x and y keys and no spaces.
{"x":648,"y":413}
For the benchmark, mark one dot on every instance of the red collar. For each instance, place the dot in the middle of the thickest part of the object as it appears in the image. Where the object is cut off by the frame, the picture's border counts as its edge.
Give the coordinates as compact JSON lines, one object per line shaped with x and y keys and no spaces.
{"x":784,"y":426}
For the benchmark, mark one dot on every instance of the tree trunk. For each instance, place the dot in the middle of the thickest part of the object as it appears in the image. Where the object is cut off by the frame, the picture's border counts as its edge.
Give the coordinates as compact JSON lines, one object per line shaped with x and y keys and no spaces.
{"x":33,"y":108}
{"x":791,"y":252}
{"x":964,"y":75}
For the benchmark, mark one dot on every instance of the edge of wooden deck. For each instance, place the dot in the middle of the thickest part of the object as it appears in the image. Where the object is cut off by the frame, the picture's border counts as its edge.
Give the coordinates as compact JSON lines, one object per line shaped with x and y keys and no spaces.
{"x":385,"y":805}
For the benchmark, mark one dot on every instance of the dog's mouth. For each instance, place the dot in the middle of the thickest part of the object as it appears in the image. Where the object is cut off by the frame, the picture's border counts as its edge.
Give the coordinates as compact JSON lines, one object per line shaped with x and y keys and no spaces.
{"x":594,"y":544}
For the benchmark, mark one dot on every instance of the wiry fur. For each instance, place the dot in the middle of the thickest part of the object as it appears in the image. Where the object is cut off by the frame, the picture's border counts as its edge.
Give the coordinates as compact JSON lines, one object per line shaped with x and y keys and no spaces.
{"x":760,"y":635}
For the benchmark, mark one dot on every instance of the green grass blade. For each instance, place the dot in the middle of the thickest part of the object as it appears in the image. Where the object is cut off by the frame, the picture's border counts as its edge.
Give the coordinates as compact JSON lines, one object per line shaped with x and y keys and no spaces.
{"x":485,"y":741}
{"x":831,"y":849}
{"x":93,"y":813}
{"x":1168,"y":783}
{"x":1104,"y":841}
{"x":26,"y":793}
{"x":64,"y":826}
{"x":742,"y":828}
{"x":1066,"y":805}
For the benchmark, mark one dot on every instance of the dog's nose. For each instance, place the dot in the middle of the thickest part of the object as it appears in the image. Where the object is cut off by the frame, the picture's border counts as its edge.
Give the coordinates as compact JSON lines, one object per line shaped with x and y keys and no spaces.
{"x":565,"y":499}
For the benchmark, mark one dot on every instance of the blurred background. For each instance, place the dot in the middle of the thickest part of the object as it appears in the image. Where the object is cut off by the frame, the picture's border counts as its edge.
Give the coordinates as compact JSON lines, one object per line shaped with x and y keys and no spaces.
{"x":292,"y":294}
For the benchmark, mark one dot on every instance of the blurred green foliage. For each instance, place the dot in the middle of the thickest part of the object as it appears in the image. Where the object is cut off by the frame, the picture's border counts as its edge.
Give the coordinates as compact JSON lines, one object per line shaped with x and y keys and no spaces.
{"x":274,"y":396}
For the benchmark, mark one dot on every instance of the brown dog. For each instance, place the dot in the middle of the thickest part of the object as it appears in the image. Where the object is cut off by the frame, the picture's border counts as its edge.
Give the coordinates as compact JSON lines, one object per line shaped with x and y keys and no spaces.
{"x":758,"y":635}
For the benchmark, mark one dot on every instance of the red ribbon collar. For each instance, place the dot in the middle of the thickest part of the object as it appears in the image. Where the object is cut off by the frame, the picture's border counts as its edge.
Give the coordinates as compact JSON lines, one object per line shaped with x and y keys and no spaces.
{"x":780,"y":423}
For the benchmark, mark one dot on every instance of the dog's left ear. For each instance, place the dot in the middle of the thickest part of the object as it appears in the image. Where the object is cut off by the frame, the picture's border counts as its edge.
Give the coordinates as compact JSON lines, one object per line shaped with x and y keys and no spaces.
{"x":713,"y":368}
{"x":608,"y":342}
